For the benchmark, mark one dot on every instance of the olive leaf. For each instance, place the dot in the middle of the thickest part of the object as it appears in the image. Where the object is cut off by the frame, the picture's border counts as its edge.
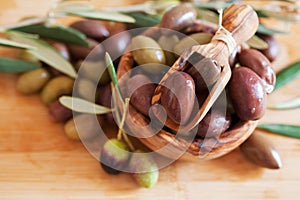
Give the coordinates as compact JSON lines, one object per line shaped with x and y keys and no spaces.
{"x":283,"y":129}
{"x":144,"y":20}
{"x":257,"y":43}
{"x":83,"y":106}
{"x":290,"y":104}
{"x":287,"y":74}
{"x":44,"y":52}
{"x":26,"y":22}
{"x":269,"y":31}
{"x":9,"y":43}
{"x":9,"y":65}
{"x":65,"y":6}
{"x":113,"y":75}
{"x":56,"y":32}
{"x":103,"y":15}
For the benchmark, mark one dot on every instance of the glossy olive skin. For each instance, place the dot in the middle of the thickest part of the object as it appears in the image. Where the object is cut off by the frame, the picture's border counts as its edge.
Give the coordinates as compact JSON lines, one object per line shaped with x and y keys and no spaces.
{"x":247,"y":93}
{"x":58,"y":112}
{"x":33,"y":81}
{"x":273,"y":50}
{"x":105,"y":99}
{"x":80,"y":52}
{"x":178,"y":96}
{"x":117,"y":44}
{"x":257,"y":62}
{"x":213,"y":124}
{"x":147,"y":50}
{"x":178,"y":18}
{"x":140,"y":97}
{"x":259,"y":150}
{"x":91,"y":28}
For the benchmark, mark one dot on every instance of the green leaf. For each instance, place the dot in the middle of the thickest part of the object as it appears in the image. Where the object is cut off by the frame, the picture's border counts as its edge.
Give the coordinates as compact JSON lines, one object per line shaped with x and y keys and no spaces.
{"x":9,"y":43}
{"x":290,"y":104}
{"x":26,"y":22}
{"x":83,"y":106}
{"x":283,"y":129}
{"x":56,"y":32}
{"x":113,"y":75}
{"x":269,"y":31}
{"x":287,"y":75}
{"x":44,"y":52}
{"x":144,"y":20}
{"x":257,"y":43}
{"x":65,"y":6}
{"x":9,"y":65}
{"x":103,"y":15}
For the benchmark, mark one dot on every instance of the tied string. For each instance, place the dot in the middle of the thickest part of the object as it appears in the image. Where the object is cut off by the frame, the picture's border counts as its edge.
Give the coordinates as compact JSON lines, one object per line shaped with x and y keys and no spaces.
{"x":224,"y":35}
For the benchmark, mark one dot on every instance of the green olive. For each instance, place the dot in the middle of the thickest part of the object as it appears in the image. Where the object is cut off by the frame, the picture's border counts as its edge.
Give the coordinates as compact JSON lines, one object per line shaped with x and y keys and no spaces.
{"x":94,"y":71}
{"x":86,"y":89}
{"x":167,"y":43}
{"x":58,"y":86}
{"x":147,"y":51}
{"x":83,"y":126}
{"x":191,"y":40}
{"x":33,"y":81}
{"x":25,"y":55}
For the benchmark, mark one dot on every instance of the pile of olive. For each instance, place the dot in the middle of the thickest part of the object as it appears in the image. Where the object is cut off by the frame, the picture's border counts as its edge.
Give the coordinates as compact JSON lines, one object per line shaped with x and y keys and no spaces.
{"x":252,"y":75}
{"x":93,"y":82}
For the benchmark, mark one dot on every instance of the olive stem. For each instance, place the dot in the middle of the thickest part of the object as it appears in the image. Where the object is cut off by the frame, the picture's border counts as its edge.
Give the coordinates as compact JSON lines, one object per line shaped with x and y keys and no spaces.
{"x":121,"y":133}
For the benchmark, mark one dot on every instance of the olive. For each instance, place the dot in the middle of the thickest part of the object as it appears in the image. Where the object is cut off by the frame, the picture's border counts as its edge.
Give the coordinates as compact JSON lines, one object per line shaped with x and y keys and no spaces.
{"x":58,"y":86}
{"x":178,"y":17}
{"x":91,"y":28}
{"x":58,"y":112}
{"x":94,"y":71}
{"x":81,"y":52}
{"x":33,"y":81}
{"x":273,"y":47}
{"x":167,"y":43}
{"x":86,"y":89}
{"x":62,"y":49}
{"x":247,"y":93}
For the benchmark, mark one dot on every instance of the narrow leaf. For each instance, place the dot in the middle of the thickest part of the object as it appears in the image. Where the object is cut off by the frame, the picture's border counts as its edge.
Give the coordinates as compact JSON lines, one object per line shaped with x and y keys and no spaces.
{"x":45,"y":53}
{"x":83,"y":106}
{"x":113,"y":75}
{"x":56,"y":32}
{"x":9,"y":65}
{"x":9,"y":43}
{"x":257,"y":43}
{"x":290,"y":104}
{"x":66,"y":6}
{"x":283,"y":129}
{"x":103,"y":15}
{"x":288,"y":74}
{"x":144,"y":20}
{"x":269,"y":31}
{"x":27,"y":22}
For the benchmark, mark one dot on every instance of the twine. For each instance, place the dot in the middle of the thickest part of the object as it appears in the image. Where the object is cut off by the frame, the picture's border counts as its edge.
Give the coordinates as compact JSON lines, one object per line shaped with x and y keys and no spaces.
{"x":224,"y":35}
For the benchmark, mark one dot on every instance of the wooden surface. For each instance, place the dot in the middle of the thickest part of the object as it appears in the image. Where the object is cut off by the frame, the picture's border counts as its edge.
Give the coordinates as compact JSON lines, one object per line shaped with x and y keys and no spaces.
{"x":37,"y":161}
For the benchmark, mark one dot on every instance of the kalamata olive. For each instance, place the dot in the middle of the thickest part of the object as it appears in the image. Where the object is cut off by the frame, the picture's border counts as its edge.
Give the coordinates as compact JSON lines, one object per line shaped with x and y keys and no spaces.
{"x":105,"y":99}
{"x":178,"y":96}
{"x":80,"y":52}
{"x":56,"y":87}
{"x":256,"y":61}
{"x":261,"y":151}
{"x":62,"y":49}
{"x":205,"y":73}
{"x":91,"y":28}
{"x":33,"y":81}
{"x":140,"y":90}
{"x":117,"y":44}
{"x":247,"y":93}
{"x":191,"y":40}
{"x":213,"y":124}
{"x":178,"y":17}
{"x":58,"y":112}
{"x":145,"y":51}
{"x":273,"y":50}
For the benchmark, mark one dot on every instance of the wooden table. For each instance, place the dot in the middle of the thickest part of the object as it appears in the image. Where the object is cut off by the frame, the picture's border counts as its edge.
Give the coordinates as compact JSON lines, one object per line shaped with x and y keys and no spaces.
{"x":37,"y":161}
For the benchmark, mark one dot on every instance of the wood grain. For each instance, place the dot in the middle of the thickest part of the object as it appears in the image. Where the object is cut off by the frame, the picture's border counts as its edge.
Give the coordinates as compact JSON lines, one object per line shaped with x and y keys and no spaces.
{"x":37,"y":161}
